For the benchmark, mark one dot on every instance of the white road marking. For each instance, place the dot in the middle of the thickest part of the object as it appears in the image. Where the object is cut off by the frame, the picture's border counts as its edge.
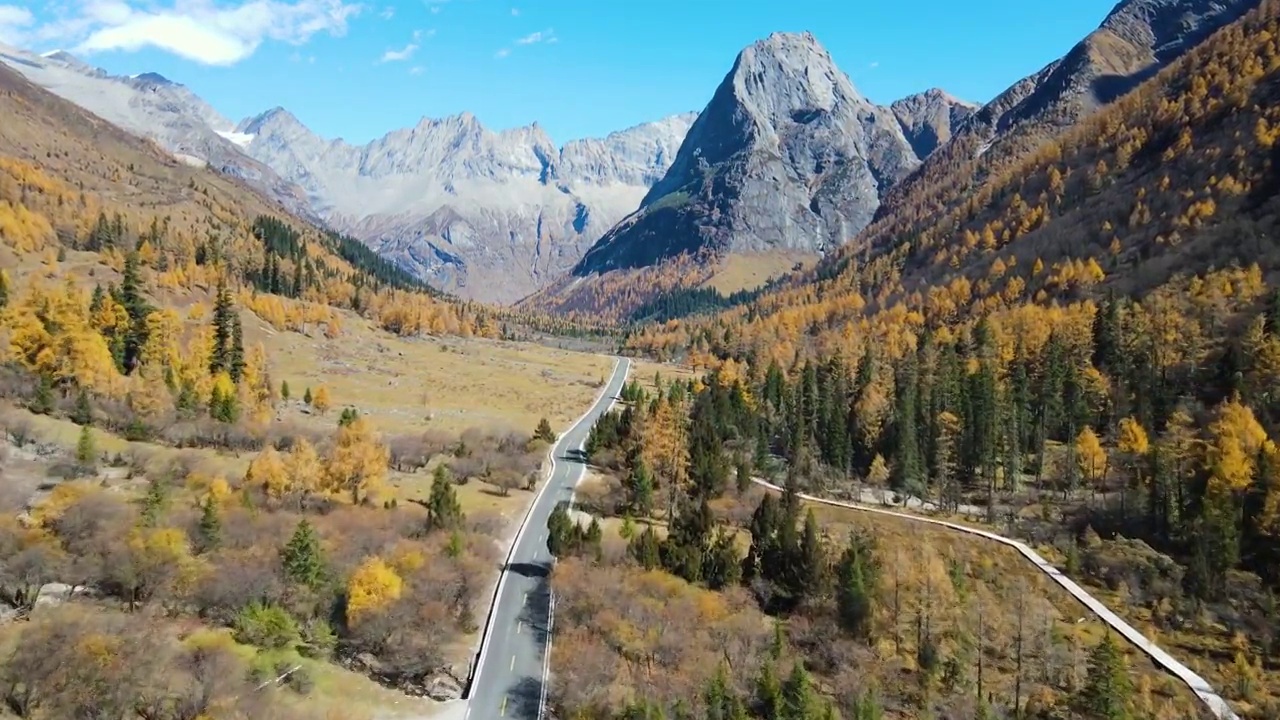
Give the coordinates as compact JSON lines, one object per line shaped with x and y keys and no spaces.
{"x":519,"y":626}
{"x":513,"y":663}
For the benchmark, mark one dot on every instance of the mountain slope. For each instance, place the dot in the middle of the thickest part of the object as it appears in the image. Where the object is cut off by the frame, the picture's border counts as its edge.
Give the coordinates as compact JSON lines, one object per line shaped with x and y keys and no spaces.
{"x":1177,"y":177}
{"x":930,"y":118}
{"x":787,"y":155}
{"x":1137,"y":38}
{"x":151,"y":106}
{"x":489,"y":215}
{"x":71,"y":180}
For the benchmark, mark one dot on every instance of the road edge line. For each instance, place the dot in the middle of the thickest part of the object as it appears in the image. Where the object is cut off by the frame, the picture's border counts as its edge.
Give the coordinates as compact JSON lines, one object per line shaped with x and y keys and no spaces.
{"x":551,"y":605}
{"x":478,"y":660}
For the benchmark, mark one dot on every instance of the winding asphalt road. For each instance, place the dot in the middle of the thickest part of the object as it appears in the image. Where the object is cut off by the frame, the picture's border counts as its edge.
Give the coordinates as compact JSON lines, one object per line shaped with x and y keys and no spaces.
{"x":510,"y":674}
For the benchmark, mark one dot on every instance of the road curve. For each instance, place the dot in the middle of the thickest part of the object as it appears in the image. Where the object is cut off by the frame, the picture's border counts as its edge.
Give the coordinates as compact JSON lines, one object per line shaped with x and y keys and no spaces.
{"x":508,"y":679}
{"x":1210,"y":697}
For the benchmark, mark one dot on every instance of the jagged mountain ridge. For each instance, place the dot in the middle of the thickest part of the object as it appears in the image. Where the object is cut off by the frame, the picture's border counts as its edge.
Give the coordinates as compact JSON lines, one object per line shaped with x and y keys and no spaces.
{"x":488,"y":215}
{"x":787,"y":155}
{"x":492,"y":216}
{"x":930,"y":118}
{"x":1135,"y":40}
{"x":151,"y":106}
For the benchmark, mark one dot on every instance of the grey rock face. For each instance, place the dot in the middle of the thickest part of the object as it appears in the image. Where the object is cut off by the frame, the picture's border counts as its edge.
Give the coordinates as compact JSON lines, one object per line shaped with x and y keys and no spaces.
{"x":487,"y":215}
{"x":787,"y":155}
{"x":1135,"y":40}
{"x":928,"y":119}
{"x":154,"y":107}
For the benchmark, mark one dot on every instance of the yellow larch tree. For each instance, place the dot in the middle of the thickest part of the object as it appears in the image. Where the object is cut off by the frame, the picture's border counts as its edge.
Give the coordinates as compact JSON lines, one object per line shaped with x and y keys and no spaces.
{"x":373,"y":586}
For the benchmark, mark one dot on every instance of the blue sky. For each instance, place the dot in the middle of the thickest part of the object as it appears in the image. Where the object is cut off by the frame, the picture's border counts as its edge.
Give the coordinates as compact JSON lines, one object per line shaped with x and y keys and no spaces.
{"x":578,"y":67}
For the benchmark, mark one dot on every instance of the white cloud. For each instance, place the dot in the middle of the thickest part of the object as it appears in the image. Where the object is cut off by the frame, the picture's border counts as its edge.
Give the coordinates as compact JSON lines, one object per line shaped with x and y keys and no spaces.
{"x":387,"y":13}
{"x":502,"y":53}
{"x":537,"y":37}
{"x":416,"y":70}
{"x":398,"y":55}
{"x":515,"y":12}
{"x":14,"y":22}
{"x":874,"y":65}
{"x":204,"y":31}
{"x":435,"y":5}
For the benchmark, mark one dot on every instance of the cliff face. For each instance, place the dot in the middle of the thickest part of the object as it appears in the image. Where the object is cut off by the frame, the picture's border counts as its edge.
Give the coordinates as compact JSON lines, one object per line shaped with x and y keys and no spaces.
{"x":930,"y":118}
{"x":787,"y":155}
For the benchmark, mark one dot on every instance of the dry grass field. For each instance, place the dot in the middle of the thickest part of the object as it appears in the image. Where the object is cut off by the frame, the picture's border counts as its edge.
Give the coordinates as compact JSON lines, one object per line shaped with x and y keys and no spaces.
{"x":451,"y":384}
{"x":750,"y":271}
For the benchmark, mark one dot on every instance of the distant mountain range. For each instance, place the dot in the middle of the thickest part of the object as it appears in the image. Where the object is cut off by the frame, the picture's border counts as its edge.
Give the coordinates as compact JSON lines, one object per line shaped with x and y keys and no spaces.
{"x":786,"y":156}
{"x":488,"y":215}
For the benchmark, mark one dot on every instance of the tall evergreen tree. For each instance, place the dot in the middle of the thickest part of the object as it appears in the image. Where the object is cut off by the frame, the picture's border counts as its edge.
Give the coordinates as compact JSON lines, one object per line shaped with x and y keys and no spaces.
{"x":302,"y":558}
{"x":209,"y":531}
{"x":1107,"y":692}
{"x":444,"y":512}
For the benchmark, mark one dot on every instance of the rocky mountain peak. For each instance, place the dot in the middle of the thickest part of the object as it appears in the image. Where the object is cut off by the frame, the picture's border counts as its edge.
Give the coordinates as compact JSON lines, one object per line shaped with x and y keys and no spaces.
{"x":276,"y":119}
{"x":930,"y":118}
{"x":790,"y":72}
{"x":786,"y":156}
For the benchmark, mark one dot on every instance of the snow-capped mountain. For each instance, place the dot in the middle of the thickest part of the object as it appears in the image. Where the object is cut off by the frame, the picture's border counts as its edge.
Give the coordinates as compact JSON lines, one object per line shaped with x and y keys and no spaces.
{"x":487,"y":215}
{"x":151,"y":106}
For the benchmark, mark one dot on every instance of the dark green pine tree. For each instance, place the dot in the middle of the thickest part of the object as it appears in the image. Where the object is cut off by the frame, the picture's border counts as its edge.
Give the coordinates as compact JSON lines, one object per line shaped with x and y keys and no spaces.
{"x":209,"y":531}
{"x":544,"y":432}
{"x":4,"y":289}
{"x":82,"y":413}
{"x":645,"y":549}
{"x":764,"y":538}
{"x":721,"y":566}
{"x":444,"y":512}
{"x":688,"y":539}
{"x":1106,"y":335}
{"x":768,"y":695}
{"x":306,"y":396}
{"x":1107,"y":693}
{"x":908,"y":465}
{"x":640,"y":489}
{"x":858,"y":578}
{"x":302,"y":558}
{"x":284,"y":390}
{"x":223,"y":313}
{"x":708,"y":466}
{"x":154,"y":502}
{"x":799,"y":700}
{"x":809,"y":564}
{"x":138,"y":310}
{"x":235,"y":354}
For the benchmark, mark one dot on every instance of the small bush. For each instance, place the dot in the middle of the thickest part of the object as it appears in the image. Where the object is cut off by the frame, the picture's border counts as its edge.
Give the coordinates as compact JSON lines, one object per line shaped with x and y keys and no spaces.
{"x":266,"y":626}
{"x":300,"y":681}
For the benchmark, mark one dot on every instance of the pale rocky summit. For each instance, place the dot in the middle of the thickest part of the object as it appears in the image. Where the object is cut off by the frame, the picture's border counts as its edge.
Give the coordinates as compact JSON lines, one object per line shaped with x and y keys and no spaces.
{"x":929,"y":119}
{"x":487,"y":215}
{"x":151,"y":106}
{"x":786,"y":156}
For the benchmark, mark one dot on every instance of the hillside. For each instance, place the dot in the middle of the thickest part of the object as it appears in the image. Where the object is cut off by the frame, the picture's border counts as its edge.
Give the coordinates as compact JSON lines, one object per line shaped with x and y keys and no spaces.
{"x":219,"y":427}
{"x":1083,"y":349}
{"x":152,"y":106}
{"x":1135,"y":40}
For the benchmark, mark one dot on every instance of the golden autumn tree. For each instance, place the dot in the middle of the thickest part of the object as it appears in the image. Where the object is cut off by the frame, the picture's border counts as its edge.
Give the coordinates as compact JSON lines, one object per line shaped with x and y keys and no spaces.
{"x":1091,"y":458}
{"x":373,"y":586}
{"x":268,"y":471}
{"x":358,"y":463}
